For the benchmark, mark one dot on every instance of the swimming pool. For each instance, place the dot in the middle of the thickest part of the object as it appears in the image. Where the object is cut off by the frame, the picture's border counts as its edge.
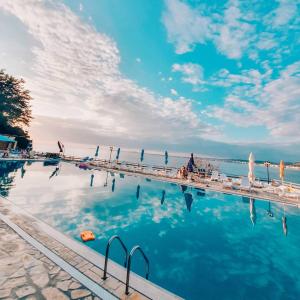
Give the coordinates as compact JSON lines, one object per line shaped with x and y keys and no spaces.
{"x":200,"y":244}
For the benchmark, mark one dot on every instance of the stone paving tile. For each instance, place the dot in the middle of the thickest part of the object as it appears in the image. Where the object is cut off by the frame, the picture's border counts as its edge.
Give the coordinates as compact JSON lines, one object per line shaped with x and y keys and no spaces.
{"x":57,"y":277}
{"x":25,"y":273}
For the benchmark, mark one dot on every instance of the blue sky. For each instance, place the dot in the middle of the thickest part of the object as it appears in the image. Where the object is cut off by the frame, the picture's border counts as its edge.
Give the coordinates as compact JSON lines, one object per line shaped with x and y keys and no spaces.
{"x":158,"y":74}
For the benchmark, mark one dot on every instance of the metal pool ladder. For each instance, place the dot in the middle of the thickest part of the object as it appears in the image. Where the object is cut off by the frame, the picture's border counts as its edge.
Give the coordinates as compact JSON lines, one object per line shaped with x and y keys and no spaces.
{"x":107,"y":253}
{"x":128,"y":259}
{"x":129,"y":265}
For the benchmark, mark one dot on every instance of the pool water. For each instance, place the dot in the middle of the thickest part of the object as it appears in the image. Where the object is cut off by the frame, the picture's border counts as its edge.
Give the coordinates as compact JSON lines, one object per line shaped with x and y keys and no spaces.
{"x":200,"y":244}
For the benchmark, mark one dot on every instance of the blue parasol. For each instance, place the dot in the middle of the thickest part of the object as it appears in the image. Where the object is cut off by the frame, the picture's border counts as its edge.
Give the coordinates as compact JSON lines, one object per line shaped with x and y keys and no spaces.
{"x":118,"y":153}
{"x":97,"y":151}
{"x":142,"y":155}
{"x":166,"y":157}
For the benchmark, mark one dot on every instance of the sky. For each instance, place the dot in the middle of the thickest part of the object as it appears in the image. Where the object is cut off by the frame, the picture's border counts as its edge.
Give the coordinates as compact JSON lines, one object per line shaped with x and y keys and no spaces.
{"x":213,"y":77}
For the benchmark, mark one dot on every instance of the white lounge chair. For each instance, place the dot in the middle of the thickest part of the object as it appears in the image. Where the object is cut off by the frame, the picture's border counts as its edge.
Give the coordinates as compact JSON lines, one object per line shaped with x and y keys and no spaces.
{"x":227,"y":184}
{"x":269,"y":189}
{"x":236,"y":181}
{"x":292,"y":195}
{"x":245,"y":184}
{"x":257,"y":184}
{"x":223,"y":177}
{"x":214,"y":176}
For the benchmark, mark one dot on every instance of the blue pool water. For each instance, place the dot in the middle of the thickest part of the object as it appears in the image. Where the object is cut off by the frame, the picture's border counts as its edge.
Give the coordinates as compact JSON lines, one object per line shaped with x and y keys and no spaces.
{"x":200,"y":245}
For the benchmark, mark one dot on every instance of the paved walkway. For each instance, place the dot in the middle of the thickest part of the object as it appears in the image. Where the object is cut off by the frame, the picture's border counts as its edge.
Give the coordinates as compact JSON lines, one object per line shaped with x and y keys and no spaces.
{"x":25,"y":273}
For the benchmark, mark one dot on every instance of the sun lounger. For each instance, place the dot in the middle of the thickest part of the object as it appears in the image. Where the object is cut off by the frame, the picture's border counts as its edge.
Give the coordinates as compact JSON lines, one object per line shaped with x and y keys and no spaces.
{"x":236,"y":181}
{"x":223,"y":177}
{"x":227,"y":184}
{"x":270,"y":189}
{"x":214,"y":176}
{"x":245,"y":184}
{"x":257,"y":184}
{"x":292,"y":195}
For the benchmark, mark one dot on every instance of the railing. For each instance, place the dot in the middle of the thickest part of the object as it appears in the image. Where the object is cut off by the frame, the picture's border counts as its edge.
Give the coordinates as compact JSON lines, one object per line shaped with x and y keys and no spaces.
{"x":107,"y":253}
{"x":129,"y":265}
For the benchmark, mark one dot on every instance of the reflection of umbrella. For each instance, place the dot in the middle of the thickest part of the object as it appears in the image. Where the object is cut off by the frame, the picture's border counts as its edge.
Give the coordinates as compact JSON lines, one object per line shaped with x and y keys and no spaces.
{"x":188,"y":201}
{"x":163,"y":195}
{"x":183,"y":188}
{"x":23,"y":171}
{"x":251,"y":168}
{"x":270,"y":214}
{"x":138,"y":191}
{"x":118,"y":153}
{"x":284,"y":226}
{"x":245,"y":199}
{"x":113,"y":185}
{"x":252,"y":211}
{"x":54,"y":173}
{"x":142,"y":155}
{"x":281,"y":170}
{"x":201,"y":192}
{"x":97,"y":151}
{"x":92,"y":180}
{"x":105,"y":184}
{"x":166,"y":157}
{"x":60,"y":146}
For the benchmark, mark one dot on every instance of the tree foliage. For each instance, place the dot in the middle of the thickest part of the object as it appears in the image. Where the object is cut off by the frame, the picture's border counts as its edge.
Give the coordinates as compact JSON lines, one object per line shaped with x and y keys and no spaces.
{"x":15,"y":109}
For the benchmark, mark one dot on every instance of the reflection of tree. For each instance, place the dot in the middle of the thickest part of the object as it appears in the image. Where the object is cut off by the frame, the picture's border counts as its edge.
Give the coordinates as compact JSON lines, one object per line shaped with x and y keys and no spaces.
{"x":7,"y":175}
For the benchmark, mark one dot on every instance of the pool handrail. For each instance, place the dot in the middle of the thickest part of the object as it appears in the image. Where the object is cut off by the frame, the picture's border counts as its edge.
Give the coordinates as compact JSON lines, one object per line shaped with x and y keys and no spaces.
{"x":104,"y":277}
{"x":129,"y":265}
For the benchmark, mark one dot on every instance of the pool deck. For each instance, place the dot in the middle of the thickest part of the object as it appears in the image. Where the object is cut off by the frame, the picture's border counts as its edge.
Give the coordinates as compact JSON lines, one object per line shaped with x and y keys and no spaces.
{"x":38,"y":262}
{"x":206,"y":184}
{"x":26,"y":273}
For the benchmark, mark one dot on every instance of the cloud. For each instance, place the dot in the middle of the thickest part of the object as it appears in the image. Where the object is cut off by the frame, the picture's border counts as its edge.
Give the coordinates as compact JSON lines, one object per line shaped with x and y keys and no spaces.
{"x":174,"y":92}
{"x":185,"y":27}
{"x":74,"y":74}
{"x":233,"y":34}
{"x":188,"y":26}
{"x":191,"y":73}
{"x":284,"y":13}
{"x":254,"y":99}
{"x":236,"y":29}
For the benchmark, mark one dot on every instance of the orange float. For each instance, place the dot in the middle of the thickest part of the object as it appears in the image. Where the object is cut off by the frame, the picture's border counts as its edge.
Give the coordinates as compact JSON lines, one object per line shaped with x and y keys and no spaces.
{"x":87,"y":236}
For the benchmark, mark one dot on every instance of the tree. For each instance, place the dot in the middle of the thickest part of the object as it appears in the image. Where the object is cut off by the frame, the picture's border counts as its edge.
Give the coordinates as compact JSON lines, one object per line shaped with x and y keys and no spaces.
{"x":15,"y":109}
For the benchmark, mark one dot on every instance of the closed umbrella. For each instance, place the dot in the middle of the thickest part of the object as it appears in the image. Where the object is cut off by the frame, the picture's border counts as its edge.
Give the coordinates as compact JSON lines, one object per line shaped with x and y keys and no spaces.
{"x":97,"y":151}
{"x":142,"y":155}
{"x":118,"y":153}
{"x":166,"y":157}
{"x":281,"y":170}
{"x":251,"y":168}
